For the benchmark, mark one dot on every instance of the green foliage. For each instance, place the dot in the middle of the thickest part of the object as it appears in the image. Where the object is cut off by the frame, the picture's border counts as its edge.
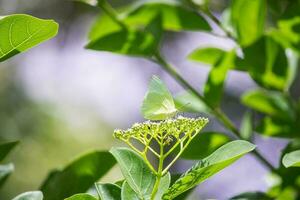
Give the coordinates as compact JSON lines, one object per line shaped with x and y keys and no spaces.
{"x":248,"y":19}
{"x":209,"y":166}
{"x":291,"y":159}
{"x":210,"y":141}
{"x":78,"y":176}
{"x":20,"y":32}
{"x":137,"y":174}
{"x":37,"y":195}
{"x":81,"y":197}
{"x":108,"y":191}
{"x":266,"y":34}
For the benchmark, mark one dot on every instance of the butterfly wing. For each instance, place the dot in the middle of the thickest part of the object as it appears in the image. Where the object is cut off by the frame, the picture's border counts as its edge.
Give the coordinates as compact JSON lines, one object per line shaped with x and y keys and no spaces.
{"x":158,"y":103}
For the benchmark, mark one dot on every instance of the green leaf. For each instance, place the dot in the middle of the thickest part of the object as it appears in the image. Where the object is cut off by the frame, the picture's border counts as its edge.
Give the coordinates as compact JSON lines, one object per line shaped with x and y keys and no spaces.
{"x":5,"y":171}
{"x":291,"y":159}
{"x":37,"y":195}
{"x":5,"y":148}
{"x":137,"y":174}
{"x":128,"y":42}
{"x":128,"y":192}
{"x":82,"y":197}
{"x":271,"y":103}
{"x":163,"y":186}
{"x":278,"y":128}
{"x":175,"y":16}
{"x":21,"y":32}
{"x":108,"y":191}
{"x":204,"y":144}
{"x":110,"y":36}
{"x":288,"y":27}
{"x":252,"y":196}
{"x":213,"y":90}
{"x":248,"y":19}
{"x":221,"y":158}
{"x":246,"y":129}
{"x":267,"y":63}
{"x":78,"y":176}
{"x":208,"y":55}
{"x":187,"y":102}
{"x":158,"y":102}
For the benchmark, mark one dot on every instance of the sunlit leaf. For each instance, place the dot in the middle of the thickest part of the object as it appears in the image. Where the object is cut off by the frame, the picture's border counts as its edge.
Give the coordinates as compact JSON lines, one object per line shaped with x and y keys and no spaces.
{"x":204,"y":144}
{"x":213,"y":90}
{"x":78,"y":176}
{"x":112,"y":37}
{"x":278,"y":128}
{"x":248,"y":19}
{"x":137,"y":174}
{"x":288,"y":32}
{"x":37,"y":195}
{"x":221,"y":158}
{"x":267,"y":63}
{"x":292,"y":159}
{"x":246,"y":129}
{"x":20,"y":32}
{"x":175,"y":16}
{"x":108,"y":191}
{"x":271,"y":103}
{"x":158,"y":102}
{"x":81,"y":197}
{"x":208,"y":55}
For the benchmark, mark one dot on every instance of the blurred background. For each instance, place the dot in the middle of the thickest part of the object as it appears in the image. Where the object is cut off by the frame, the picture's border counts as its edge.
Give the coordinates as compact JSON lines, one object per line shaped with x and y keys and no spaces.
{"x":61,"y":100}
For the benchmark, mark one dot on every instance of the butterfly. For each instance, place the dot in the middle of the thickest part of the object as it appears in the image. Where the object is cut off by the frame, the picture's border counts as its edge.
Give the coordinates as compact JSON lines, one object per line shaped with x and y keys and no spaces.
{"x":158,"y":102}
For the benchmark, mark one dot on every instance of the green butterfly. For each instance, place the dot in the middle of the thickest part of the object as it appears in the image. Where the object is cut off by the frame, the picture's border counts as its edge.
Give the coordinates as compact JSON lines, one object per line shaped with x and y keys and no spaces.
{"x":158,"y":103}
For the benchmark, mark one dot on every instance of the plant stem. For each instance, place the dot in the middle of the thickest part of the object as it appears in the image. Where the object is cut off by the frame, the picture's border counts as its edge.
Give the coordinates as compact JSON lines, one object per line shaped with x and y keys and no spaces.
{"x":217,"y":112}
{"x":106,"y":7}
{"x":159,"y":170}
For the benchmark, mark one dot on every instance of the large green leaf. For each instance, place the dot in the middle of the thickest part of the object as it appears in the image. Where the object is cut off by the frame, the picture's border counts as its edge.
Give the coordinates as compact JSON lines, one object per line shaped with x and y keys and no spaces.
{"x":175,"y":16}
{"x":267,"y":63}
{"x":108,"y":191}
{"x":271,"y":103}
{"x":292,"y":159}
{"x":221,"y":158}
{"x":213,"y":90}
{"x":78,"y":176}
{"x":81,"y":197}
{"x":5,"y":148}
{"x":137,"y":174}
{"x":37,"y":195}
{"x":5,"y":171}
{"x":20,"y":32}
{"x":204,"y":144}
{"x":110,"y":36}
{"x":129,"y":193}
{"x":248,"y":19}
